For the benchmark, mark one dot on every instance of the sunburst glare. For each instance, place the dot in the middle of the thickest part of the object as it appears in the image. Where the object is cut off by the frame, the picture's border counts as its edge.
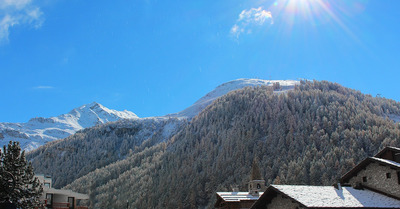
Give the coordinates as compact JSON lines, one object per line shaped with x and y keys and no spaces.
{"x":316,"y":12}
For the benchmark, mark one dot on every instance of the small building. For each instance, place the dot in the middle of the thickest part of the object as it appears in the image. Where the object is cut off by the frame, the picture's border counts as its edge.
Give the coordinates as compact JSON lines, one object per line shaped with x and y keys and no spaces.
{"x":59,"y":198}
{"x":242,"y":200}
{"x":373,"y":183}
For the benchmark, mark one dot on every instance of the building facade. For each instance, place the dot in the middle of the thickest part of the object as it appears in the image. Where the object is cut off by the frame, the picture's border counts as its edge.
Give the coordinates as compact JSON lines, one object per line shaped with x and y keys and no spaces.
{"x":59,"y":198}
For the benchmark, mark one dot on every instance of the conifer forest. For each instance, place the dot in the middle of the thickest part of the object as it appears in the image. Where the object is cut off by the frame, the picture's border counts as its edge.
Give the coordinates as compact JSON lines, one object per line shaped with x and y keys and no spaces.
{"x":310,"y":135}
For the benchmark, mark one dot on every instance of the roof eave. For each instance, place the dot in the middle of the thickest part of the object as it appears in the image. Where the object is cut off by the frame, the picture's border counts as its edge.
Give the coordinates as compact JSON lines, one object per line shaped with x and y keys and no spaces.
{"x":346,"y":177}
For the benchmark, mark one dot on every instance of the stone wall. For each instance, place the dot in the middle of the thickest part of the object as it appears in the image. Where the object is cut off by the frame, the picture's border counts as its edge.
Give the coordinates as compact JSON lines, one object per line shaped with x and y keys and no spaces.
{"x":281,"y":202}
{"x":379,"y":177}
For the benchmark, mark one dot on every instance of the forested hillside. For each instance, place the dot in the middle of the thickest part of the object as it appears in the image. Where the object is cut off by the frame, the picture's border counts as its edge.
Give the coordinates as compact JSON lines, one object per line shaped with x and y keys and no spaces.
{"x":310,"y":135}
{"x":68,"y":159}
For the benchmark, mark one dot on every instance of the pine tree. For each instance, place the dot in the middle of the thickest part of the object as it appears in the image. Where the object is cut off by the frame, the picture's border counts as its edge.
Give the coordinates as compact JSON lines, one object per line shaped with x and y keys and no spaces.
{"x":19,"y":184}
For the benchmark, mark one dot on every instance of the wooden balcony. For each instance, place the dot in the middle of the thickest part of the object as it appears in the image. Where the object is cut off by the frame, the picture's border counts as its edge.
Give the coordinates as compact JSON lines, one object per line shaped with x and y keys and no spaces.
{"x":60,"y":205}
{"x":65,"y":205}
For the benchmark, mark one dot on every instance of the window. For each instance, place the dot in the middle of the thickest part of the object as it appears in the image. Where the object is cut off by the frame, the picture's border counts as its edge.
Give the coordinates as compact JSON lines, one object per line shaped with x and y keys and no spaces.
{"x":258,"y":186}
{"x":364,"y":179}
{"x":388,"y":175}
{"x":71,"y":201}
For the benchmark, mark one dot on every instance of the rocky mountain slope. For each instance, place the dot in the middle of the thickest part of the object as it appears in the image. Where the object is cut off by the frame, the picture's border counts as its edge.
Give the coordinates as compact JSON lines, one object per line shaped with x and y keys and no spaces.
{"x":38,"y":131}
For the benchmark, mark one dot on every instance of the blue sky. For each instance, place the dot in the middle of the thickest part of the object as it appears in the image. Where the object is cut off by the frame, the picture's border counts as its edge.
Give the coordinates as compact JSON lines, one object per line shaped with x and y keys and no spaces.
{"x":155,"y":57}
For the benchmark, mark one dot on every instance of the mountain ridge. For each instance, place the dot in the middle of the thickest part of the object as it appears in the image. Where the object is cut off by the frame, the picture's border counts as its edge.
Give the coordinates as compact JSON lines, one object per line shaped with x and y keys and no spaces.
{"x":38,"y":131}
{"x":227,"y":87}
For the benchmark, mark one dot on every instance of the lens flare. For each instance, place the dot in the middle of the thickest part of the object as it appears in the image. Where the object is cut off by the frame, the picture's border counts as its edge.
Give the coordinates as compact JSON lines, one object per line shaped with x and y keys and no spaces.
{"x":316,"y":12}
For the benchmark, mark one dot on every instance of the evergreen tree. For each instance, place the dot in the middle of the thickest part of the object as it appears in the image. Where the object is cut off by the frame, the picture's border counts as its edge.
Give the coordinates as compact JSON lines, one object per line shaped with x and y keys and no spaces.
{"x":19,"y":184}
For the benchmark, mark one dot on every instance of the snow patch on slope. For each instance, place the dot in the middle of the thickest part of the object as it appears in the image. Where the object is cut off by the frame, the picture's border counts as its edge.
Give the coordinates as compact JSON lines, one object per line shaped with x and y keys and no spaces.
{"x":225,"y":88}
{"x":38,"y":131}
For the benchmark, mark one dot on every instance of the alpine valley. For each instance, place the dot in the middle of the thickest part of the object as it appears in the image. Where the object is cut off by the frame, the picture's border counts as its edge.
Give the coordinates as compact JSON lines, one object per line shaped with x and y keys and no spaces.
{"x":307,"y":132}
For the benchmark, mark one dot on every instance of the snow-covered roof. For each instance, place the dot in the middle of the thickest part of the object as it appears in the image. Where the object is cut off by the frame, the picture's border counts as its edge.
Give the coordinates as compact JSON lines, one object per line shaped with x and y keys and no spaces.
{"x":384,"y":151}
{"x":388,"y":162}
{"x":329,"y":196}
{"x":394,"y":148}
{"x":237,"y":196}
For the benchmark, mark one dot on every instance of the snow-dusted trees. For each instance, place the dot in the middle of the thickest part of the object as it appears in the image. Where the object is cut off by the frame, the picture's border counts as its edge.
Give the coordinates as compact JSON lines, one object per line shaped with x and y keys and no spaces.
{"x":68,"y":159}
{"x":310,"y":135}
{"x":19,"y":186}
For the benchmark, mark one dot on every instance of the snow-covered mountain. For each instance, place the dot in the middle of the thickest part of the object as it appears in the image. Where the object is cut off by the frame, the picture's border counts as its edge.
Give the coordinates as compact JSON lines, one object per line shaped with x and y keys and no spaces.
{"x":38,"y":131}
{"x":223,"y":89}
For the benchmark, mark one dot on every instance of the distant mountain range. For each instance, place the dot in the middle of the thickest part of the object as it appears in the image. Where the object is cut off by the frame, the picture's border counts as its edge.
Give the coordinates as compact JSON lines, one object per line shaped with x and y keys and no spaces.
{"x":38,"y":131}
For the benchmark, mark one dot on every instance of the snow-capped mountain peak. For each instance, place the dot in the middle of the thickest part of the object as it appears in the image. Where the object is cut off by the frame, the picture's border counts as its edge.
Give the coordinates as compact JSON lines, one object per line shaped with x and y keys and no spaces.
{"x":37,"y":131}
{"x":225,"y":88}
{"x":94,"y":113}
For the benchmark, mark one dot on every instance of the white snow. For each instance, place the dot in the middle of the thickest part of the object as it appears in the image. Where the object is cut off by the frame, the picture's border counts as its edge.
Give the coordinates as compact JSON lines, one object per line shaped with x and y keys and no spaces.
{"x":225,"y":88}
{"x":329,"y":196}
{"x":389,"y":162}
{"x":237,"y":196}
{"x":38,"y":131}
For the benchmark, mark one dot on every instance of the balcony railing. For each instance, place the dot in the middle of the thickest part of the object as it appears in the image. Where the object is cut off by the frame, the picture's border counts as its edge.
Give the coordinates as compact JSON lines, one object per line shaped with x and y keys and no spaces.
{"x":65,"y":205}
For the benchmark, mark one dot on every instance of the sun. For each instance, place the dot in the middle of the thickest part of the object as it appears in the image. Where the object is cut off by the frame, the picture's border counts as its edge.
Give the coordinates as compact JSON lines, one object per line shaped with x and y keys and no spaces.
{"x":312,"y":11}
{"x":315,"y":12}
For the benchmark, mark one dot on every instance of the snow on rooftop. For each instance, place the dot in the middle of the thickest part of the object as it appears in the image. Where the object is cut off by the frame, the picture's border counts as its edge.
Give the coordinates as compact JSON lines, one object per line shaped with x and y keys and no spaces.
{"x":329,"y":196}
{"x":237,"y":196}
{"x":389,"y":162}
